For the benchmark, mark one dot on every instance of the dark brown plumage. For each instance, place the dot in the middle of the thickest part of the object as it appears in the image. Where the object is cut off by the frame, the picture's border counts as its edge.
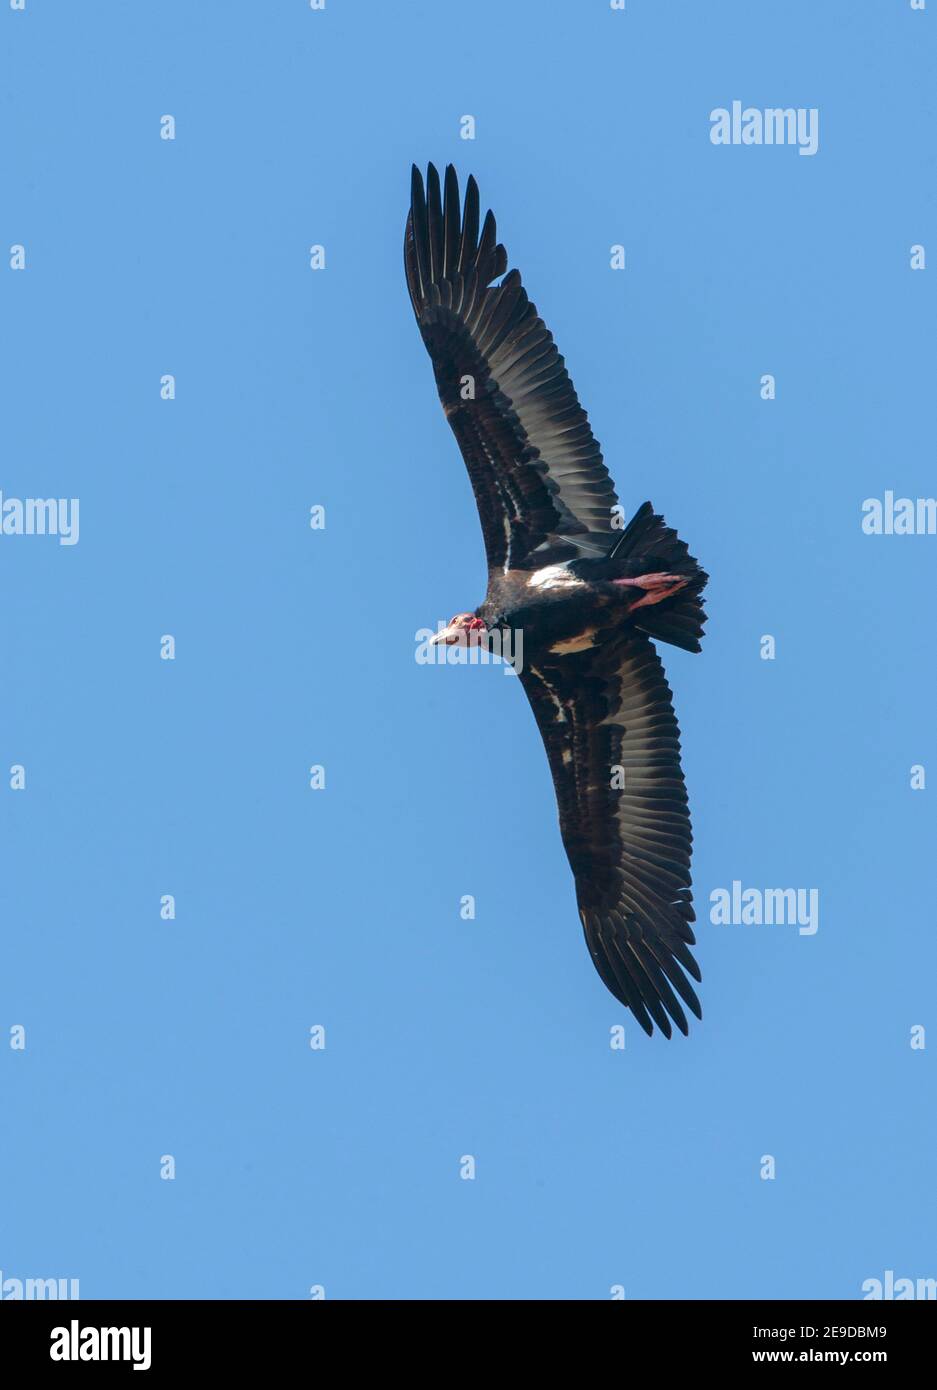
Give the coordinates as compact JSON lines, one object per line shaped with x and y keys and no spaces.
{"x":587,"y":594}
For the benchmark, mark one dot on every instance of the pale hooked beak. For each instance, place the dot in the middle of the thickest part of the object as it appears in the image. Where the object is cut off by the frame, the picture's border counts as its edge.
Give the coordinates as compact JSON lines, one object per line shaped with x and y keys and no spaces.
{"x":460,"y":633}
{"x":449,"y":636}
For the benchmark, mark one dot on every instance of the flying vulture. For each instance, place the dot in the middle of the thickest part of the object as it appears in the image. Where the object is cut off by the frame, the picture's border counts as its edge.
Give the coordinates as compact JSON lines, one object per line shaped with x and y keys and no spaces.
{"x":588,"y":594}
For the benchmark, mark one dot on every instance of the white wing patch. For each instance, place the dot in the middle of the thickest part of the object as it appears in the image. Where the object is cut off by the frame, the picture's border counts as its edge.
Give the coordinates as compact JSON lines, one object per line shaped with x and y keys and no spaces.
{"x":575,"y":644}
{"x":560,"y":711}
{"x":554,"y":577}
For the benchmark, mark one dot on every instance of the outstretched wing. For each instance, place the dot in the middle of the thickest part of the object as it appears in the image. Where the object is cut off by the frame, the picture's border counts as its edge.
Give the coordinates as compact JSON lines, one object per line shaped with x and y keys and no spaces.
{"x":543,"y":492}
{"x":613,"y":742}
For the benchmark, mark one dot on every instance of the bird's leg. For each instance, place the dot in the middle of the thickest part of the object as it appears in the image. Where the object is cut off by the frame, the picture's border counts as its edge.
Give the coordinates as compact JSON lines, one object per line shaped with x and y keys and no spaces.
{"x":659,"y":586}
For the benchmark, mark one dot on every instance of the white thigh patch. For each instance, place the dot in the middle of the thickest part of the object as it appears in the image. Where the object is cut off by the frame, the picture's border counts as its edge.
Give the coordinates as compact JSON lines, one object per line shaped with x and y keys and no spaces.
{"x":554,"y":577}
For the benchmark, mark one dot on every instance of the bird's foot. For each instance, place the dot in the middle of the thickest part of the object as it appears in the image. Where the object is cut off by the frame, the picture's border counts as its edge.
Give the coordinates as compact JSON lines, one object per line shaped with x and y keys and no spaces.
{"x":658,"y":586}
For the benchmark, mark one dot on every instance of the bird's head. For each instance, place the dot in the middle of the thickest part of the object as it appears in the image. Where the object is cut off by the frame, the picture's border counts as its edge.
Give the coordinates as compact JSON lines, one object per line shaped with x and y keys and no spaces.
{"x":465,"y":628}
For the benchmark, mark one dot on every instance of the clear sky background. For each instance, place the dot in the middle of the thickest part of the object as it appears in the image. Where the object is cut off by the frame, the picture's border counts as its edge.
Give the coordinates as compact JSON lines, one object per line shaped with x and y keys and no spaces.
{"x":341,"y":907}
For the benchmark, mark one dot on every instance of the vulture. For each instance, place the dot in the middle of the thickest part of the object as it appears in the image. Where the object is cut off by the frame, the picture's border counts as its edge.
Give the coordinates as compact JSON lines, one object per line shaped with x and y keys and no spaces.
{"x":590,"y":595}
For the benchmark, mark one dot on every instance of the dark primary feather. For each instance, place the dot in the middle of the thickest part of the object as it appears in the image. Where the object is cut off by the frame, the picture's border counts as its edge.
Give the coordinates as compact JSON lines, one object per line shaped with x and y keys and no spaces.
{"x":599,"y":710}
{"x":543,"y":491}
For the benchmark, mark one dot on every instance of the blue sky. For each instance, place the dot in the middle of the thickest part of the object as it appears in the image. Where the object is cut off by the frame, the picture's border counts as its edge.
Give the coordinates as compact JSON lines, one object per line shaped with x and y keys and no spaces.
{"x":340,"y":907}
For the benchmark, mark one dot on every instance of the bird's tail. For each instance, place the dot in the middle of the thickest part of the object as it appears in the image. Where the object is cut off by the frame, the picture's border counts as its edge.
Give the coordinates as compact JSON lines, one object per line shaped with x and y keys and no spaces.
{"x":649,"y":540}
